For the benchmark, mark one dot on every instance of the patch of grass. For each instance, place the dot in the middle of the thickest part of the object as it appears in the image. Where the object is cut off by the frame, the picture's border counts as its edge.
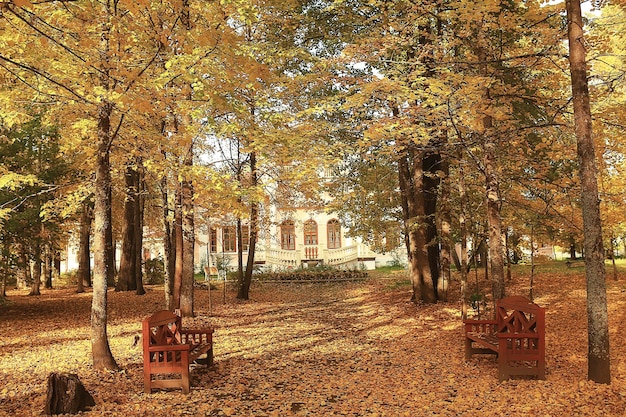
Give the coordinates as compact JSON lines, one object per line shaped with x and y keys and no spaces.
{"x":399,"y":284}
{"x":390,"y":269}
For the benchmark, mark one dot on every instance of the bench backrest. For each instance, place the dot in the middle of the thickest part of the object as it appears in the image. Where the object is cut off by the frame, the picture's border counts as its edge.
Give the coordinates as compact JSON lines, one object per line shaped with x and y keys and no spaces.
{"x":518,"y":314}
{"x":162,"y":328}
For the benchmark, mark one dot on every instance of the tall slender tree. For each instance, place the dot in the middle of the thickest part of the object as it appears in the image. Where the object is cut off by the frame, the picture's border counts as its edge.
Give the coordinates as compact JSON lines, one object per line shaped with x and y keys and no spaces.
{"x":598,"y":358}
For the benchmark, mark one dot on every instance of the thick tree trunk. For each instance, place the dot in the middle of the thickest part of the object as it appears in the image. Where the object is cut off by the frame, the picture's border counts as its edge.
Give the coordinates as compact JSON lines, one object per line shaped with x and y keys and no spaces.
{"x":431,"y":163}
{"x":101,"y":352}
{"x":103,"y":230}
{"x":126,"y":280}
{"x":597,"y":311}
{"x":419,"y":232}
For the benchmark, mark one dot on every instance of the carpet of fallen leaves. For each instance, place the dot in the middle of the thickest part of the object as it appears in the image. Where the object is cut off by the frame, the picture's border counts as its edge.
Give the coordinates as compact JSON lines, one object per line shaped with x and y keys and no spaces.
{"x":353,"y":349}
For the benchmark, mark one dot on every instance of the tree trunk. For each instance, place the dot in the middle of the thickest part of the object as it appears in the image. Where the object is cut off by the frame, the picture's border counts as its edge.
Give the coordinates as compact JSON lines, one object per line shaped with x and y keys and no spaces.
{"x":463,"y":227}
{"x":240,"y":272}
{"x":404,"y":182}
{"x":597,"y":310}
{"x":103,"y":234}
{"x":178,"y":235}
{"x":110,"y":248}
{"x":101,"y":352}
{"x":47,"y":265}
{"x":167,"y":247}
{"x":138,"y":238}
{"x":126,"y":280}
{"x":23,"y":273}
{"x":431,"y":163}
{"x":4,"y":267}
{"x":445,"y":233}
{"x":496,"y":252}
{"x":244,"y":289}
{"x":84,"y":250}
{"x":36,"y":271}
{"x":56,"y":264}
{"x":419,"y":231}
{"x":572,"y":249}
{"x":410,"y":228}
{"x":189,"y":240}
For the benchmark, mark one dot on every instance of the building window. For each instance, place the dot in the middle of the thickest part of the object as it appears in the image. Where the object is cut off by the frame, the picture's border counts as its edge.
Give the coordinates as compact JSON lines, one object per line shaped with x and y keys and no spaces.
{"x":287,"y":235}
{"x":245,"y":238}
{"x":229,"y":239}
{"x":333,"y":229}
{"x":213,"y":240}
{"x":310,"y":232}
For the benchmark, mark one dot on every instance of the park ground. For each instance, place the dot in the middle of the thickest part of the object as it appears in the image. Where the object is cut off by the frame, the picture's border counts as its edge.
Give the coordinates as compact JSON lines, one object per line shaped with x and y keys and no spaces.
{"x":343,"y":349}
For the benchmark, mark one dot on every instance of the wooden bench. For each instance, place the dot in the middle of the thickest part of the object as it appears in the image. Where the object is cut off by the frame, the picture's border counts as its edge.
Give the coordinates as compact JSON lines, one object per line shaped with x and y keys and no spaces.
{"x":516,"y":336}
{"x":168,"y":350}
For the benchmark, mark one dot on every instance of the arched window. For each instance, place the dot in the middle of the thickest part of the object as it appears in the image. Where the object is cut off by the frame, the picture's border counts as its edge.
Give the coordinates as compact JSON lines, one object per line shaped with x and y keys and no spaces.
{"x":310,"y":232}
{"x":287,"y":235}
{"x":333,"y":229}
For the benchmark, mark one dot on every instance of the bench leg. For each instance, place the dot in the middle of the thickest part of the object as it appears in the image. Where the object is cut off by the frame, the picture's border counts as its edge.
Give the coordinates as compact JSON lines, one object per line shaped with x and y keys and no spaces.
{"x":541,"y":371}
{"x":184,"y":373}
{"x":147,"y":379}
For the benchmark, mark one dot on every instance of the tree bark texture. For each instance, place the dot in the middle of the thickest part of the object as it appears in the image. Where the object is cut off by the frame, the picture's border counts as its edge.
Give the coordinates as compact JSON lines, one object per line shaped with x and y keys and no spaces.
{"x":431,"y":163}
{"x":66,"y":394}
{"x":101,"y":352}
{"x":597,"y":311}
{"x":126,"y":280}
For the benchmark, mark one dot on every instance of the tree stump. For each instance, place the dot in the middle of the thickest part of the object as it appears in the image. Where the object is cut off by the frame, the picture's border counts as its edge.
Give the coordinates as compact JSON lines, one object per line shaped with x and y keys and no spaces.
{"x":66,"y":395}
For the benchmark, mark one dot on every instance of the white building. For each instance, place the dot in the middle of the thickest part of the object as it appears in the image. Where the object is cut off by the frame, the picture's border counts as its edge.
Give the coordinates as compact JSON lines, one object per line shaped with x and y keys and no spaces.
{"x":295,"y":239}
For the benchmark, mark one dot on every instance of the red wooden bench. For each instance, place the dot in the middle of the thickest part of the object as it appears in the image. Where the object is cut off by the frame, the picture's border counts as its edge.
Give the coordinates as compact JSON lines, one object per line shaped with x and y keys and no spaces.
{"x":168,"y":349}
{"x":516,"y":336}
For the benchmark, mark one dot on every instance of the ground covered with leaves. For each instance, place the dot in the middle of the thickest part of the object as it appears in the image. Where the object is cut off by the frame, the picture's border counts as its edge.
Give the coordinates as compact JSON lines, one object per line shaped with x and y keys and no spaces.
{"x":353,"y":349}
